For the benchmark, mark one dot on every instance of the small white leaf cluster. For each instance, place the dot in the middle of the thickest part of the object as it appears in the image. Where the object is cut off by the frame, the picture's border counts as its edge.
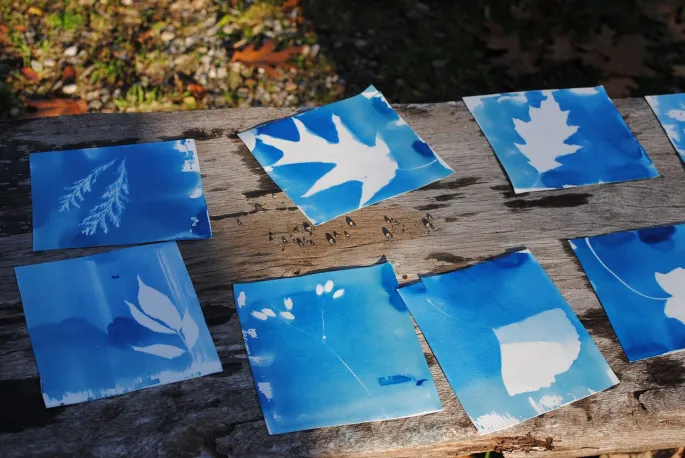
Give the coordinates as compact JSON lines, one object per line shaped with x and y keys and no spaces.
{"x":157,"y":313}
{"x":327,"y":288}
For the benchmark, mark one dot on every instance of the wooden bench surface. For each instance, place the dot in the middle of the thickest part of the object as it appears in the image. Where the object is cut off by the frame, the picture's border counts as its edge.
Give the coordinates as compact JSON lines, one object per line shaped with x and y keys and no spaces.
{"x":477,"y":216}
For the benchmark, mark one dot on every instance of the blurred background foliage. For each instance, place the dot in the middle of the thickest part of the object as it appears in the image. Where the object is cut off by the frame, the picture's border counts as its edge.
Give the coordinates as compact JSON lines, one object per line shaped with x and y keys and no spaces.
{"x":73,"y":56}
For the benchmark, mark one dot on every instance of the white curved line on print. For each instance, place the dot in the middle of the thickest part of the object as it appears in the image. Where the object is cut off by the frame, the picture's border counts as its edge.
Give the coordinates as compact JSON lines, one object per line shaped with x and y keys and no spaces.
{"x":373,"y":166}
{"x":672,"y":282}
{"x":537,"y":349}
{"x":545,"y":135}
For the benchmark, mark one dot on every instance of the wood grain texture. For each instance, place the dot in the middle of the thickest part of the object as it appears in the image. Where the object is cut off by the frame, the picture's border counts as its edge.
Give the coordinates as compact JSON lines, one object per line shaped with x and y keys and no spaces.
{"x":476,"y":216}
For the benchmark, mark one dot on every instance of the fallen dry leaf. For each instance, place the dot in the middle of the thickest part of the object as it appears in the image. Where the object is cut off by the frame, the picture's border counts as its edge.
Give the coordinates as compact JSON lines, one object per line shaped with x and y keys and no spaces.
{"x":197,"y":89}
{"x":291,"y":4}
{"x":55,"y":107}
{"x":266,"y":57}
{"x":21,"y":28}
{"x":30,"y":74}
{"x":68,"y":74}
{"x":35,"y":11}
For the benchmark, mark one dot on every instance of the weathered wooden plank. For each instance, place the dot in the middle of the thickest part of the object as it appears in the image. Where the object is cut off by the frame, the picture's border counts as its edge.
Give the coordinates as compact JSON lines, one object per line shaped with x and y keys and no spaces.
{"x":477,"y":216}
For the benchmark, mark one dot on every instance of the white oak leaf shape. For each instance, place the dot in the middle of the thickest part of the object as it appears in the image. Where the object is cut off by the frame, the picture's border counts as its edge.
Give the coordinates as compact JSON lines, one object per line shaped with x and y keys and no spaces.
{"x":544,"y":135}
{"x":158,"y":306}
{"x":148,"y":322}
{"x":165,"y":351}
{"x":373,"y":166}
{"x":537,"y":349}
{"x":673,"y":283}
{"x":190,"y":330}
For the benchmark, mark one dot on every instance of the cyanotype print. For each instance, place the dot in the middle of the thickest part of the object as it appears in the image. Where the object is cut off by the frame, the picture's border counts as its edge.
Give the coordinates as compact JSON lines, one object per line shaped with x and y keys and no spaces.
{"x":115,"y":322}
{"x":333,"y":348}
{"x":639,"y":277}
{"x":117,"y":195}
{"x":560,"y":138}
{"x":507,"y":341}
{"x":344,"y":156}
{"x":670,"y":109}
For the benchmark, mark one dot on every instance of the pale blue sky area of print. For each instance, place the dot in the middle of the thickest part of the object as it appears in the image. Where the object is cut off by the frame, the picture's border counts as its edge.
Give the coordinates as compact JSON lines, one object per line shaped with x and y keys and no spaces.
{"x":114,"y":322}
{"x":118,"y":195}
{"x":333,"y":348}
{"x":507,"y":341}
{"x":344,"y":156}
{"x":670,"y":110}
{"x":639,"y":277}
{"x":560,"y":138}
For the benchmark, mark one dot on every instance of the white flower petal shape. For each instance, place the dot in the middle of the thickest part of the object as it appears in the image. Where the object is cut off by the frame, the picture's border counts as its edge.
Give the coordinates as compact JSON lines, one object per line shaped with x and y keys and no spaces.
{"x":148,"y":322}
{"x":288,"y":303}
{"x":165,"y":351}
{"x":329,"y":286}
{"x":673,"y":283}
{"x":535,"y":350}
{"x":373,"y":166}
{"x":259,"y":315}
{"x":268,"y":312}
{"x":190,"y":330}
{"x":288,"y":315}
{"x":158,"y":306}
{"x":545,"y":134}
{"x":319,"y":290}
{"x":252,"y":333}
{"x":338,"y":293}
{"x":242,"y":299}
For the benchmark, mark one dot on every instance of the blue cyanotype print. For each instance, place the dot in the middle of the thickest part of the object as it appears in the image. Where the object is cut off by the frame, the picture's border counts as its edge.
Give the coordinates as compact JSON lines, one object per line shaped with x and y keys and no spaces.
{"x":341,"y":157}
{"x":507,"y":341}
{"x":118,"y":195}
{"x":115,"y":322}
{"x":639,"y":277}
{"x":560,"y":138}
{"x":670,"y":109}
{"x":333,"y":348}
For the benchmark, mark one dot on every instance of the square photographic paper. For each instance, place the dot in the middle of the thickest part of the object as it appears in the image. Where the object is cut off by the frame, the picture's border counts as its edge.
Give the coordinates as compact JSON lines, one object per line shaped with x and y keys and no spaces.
{"x":560,"y":138}
{"x":115,"y":322}
{"x":507,"y":341}
{"x":344,"y":156}
{"x":118,"y":195}
{"x":333,"y":348}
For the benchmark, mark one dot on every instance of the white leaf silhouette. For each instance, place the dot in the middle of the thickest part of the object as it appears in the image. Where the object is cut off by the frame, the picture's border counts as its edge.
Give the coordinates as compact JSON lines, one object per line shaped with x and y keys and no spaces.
{"x":373,"y":166}
{"x":544,"y":135}
{"x":148,"y":322}
{"x":678,"y":115}
{"x":112,"y":207}
{"x":288,"y":315}
{"x":242,"y":299}
{"x":319,"y":290}
{"x":288,"y":303}
{"x":165,"y":351}
{"x":158,"y":306}
{"x":268,"y":312}
{"x":190,"y":330}
{"x":329,"y":286}
{"x":259,"y":315}
{"x":338,"y":293}
{"x":673,"y":283}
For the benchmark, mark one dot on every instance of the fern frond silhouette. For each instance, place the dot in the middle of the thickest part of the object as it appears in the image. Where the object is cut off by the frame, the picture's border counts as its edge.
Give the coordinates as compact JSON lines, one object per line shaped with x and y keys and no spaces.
{"x":110,"y":210}
{"x":76,"y":191}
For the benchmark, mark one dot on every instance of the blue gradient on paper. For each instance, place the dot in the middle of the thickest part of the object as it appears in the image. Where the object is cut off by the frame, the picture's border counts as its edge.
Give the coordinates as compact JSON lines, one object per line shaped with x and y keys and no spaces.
{"x":368,"y":367}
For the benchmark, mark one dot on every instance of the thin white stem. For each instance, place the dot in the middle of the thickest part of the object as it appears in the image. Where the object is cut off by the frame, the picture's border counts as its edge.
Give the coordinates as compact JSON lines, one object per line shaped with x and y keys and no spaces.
{"x":421,"y":166}
{"x":439,"y":309}
{"x":587,"y":241}
{"x":346,"y":366}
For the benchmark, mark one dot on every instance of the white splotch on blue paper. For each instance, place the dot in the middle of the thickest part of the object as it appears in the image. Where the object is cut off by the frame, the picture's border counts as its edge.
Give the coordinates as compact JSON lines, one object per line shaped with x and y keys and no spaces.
{"x":344,"y":156}
{"x":507,"y":341}
{"x":115,"y":322}
{"x":639,"y":277}
{"x":560,"y":138}
{"x":333,"y":348}
{"x":670,"y":110}
{"x":118,"y":195}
